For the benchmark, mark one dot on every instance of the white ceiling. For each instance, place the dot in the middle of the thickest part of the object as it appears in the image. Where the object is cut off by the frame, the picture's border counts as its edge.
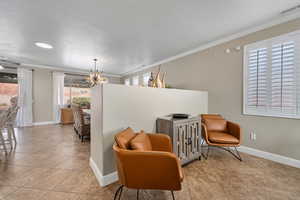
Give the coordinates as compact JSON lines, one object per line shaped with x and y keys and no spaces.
{"x":126,"y":34}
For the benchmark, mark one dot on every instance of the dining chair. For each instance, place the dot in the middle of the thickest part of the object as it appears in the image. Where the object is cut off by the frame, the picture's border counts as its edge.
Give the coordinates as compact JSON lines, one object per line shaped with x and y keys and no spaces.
{"x":7,"y":122}
{"x":81,"y":125}
{"x":10,"y":123}
{"x":3,"y":122}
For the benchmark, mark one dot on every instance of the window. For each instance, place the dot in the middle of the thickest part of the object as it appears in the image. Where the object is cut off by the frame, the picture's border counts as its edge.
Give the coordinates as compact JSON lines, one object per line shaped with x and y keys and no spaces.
{"x":135,"y":80}
{"x":127,"y":81}
{"x":272,"y":78}
{"x":8,"y":89}
{"x":77,"y":90}
{"x":146,"y":78}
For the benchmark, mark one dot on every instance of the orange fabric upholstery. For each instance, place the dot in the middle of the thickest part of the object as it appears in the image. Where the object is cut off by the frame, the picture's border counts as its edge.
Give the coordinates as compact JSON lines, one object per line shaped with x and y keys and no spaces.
{"x":141,"y":142}
{"x":223,"y":138}
{"x":235,"y":130}
{"x":216,"y":131}
{"x":124,"y":137}
{"x":158,"y":169}
{"x":160,"y":142}
{"x":216,"y":125}
{"x":211,"y":116}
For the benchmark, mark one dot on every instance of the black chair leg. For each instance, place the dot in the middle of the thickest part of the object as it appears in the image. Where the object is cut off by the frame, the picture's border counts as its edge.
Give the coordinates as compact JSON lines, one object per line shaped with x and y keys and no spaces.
{"x":173,"y":197}
{"x":121,"y":193}
{"x":202,"y":154}
{"x":207,"y":153}
{"x":238,"y":155}
{"x":119,"y":190}
{"x":137,"y":194}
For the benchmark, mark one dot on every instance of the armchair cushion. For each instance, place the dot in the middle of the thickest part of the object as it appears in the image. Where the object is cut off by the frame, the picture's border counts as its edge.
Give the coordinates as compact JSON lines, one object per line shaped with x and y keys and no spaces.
{"x":211,"y":116}
{"x":123,"y":138}
{"x":141,"y":142}
{"x":160,"y":142}
{"x":216,"y":125}
{"x":222,"y":138}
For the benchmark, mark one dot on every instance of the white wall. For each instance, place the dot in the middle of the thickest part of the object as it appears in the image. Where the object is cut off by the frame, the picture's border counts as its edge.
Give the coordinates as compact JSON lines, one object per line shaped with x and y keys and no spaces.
{"x":137,"y":107}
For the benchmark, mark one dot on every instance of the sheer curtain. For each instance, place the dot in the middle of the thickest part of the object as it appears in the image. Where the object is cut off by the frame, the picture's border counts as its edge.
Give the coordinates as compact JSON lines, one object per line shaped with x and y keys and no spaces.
{"x":24,"y":117}
{"x":58,"y":94}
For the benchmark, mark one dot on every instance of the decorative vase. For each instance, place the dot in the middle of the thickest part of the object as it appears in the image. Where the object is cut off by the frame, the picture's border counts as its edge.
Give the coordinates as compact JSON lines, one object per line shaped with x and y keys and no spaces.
{"x":163,"y":80}
{"x":150,"y":81}
{"x":157,"y":82}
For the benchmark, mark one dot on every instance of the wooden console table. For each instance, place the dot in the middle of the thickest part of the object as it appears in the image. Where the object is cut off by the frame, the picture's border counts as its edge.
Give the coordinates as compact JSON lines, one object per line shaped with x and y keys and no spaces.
{"x":67,"y":116}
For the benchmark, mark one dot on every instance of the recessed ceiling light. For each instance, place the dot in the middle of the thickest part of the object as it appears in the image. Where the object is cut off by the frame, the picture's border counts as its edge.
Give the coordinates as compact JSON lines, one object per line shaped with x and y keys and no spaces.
{"x":1,"y":67}
{"x":43,"y":45}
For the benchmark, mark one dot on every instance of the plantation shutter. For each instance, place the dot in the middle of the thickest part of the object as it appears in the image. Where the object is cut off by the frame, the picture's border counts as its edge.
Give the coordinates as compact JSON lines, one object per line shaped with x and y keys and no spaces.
{"x":284,"y":94}
{"x":272,"y":77}
{"x":257,"y":78}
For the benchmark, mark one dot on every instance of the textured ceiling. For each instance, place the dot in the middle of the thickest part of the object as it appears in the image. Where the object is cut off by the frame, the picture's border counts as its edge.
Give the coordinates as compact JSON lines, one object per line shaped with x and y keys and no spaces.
{"x":125,"y":34}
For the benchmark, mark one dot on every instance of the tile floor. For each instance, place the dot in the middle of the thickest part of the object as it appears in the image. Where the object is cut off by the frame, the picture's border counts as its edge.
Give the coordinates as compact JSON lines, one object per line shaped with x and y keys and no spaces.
{"x":50,"y":163}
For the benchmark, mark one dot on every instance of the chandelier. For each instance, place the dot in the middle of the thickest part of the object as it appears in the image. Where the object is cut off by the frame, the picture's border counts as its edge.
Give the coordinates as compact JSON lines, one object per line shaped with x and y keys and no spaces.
{"x":96,"y":76}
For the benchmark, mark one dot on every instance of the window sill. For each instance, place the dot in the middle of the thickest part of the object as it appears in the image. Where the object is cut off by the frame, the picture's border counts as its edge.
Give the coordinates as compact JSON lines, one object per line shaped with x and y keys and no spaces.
{"x":271,"y":116}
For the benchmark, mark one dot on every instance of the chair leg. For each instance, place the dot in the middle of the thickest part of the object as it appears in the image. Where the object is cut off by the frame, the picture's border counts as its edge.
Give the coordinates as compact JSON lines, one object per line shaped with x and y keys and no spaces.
{"x":173,"y":197}
{"x":137,"y":194}
{"x":238,"y":155}
{"x":14,"y":135}
{"x":2,"y":141}
{"x":118,"y":191}
{"x":207,"y":153}
{"x":205,"y":156}
{"x":9,"y":135}
{"x":121,"y":193}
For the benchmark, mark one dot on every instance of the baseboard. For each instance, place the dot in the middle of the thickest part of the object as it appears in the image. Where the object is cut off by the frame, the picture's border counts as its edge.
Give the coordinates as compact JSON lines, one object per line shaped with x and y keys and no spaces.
{"x":103,"y":180}
{"x":270,"y":156}
{"x":44,"y":123}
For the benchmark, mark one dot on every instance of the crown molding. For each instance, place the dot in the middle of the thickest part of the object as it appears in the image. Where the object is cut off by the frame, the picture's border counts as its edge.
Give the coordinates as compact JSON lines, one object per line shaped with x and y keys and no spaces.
{"x":278,"y":20}
{"x":67,"y":70}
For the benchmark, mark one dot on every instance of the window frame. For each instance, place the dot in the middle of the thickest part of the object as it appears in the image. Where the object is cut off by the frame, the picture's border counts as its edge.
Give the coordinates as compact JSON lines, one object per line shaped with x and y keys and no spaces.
{"x":71,"y":97}
{"x":268,"y":43}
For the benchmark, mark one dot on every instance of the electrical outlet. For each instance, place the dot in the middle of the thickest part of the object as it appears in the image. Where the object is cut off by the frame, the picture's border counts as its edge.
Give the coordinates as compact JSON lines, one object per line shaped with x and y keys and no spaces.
{"x":252,"y":135}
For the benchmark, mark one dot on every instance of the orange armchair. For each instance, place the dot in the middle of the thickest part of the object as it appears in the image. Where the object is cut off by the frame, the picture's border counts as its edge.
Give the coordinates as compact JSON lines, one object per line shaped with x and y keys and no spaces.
{"x":218,"y":132}
{"x":146,"y":161}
